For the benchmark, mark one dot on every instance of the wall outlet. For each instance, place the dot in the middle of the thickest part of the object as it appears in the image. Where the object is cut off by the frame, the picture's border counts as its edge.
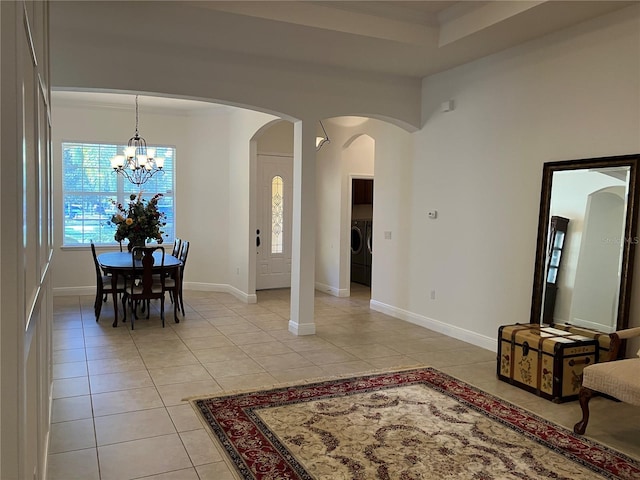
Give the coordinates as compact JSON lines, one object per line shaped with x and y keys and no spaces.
{"x":387,"y":235}
{"x":432,"y":214}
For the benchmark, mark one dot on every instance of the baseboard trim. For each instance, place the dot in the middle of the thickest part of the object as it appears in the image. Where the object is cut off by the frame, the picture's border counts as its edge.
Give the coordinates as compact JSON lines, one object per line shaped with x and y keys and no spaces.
{"x":222,"y":287}
{"x":196,"y":286}
{"x":65,"y":291}
{"x":468,"y":336}
{"x":328,"y":289}
{"x":302,"y":328}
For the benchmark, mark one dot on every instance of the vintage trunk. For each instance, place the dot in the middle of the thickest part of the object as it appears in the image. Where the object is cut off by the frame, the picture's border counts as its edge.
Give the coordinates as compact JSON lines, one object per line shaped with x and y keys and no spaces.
{"x":544,"y":360}
{"x":603,"y":339}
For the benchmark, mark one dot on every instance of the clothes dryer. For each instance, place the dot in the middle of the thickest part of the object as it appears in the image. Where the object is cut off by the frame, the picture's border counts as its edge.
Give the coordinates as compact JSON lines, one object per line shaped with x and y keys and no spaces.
{"x":358,"y":251}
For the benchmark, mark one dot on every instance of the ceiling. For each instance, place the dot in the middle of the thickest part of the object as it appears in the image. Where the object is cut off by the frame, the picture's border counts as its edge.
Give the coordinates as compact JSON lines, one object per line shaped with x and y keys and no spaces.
{"x":389,"y":38}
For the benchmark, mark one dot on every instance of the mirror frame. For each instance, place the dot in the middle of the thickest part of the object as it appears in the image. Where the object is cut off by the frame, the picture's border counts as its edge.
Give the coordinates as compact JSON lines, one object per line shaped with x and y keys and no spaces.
{"x":631,"y":221}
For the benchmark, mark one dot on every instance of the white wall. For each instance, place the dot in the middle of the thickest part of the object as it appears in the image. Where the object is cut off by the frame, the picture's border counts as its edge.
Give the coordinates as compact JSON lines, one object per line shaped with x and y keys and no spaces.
{"x":571,"y":95}
{"x":244,"y":125}
{"x":202,"y":185}
{"x":380,"y":150}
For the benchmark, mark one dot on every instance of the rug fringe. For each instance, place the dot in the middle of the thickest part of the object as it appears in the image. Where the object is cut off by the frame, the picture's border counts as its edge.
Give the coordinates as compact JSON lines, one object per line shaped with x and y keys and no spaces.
{"x":294,"y":383}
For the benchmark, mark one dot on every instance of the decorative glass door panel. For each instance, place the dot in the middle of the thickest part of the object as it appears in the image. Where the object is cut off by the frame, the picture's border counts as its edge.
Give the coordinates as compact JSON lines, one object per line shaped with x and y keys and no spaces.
{"x":274,"y":217}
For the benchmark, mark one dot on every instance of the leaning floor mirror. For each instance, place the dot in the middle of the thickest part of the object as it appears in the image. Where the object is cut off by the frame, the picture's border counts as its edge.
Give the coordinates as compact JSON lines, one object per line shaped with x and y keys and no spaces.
{"x":586,"y":242}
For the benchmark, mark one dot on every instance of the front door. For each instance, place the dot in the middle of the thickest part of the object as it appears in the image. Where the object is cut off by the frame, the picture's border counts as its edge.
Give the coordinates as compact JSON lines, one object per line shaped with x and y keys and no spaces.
{"x":273,"y":234}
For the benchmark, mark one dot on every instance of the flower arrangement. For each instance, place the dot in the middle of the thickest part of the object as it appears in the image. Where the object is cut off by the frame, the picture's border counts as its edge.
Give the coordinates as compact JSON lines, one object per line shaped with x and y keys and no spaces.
{"x":139,"y":221}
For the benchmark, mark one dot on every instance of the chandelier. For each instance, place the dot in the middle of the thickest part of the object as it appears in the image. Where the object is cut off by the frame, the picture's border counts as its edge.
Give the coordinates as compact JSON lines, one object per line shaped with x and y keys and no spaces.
{"x":139,"y":163}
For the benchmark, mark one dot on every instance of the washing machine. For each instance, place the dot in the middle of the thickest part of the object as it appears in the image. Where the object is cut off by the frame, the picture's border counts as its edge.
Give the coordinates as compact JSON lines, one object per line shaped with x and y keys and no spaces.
{"x":368,"y":251}
{"x":360,"y":251}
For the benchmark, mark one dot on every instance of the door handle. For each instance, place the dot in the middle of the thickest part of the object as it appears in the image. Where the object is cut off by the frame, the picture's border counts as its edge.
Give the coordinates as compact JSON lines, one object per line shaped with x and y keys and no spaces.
{"x":258,"y":238}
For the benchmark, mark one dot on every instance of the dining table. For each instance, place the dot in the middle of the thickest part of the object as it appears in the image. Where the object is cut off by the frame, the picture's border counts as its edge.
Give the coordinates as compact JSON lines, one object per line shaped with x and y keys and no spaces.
{"x":121,"y":263}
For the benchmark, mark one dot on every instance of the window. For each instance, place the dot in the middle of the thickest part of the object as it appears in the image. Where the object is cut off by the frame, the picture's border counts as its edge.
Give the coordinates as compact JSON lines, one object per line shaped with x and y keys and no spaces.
{"x":90,"y":187}
{"x":277,"y":214}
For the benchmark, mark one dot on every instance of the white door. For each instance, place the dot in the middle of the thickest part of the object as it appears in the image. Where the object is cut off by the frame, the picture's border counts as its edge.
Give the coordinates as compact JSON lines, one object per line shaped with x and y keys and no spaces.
{"x":273,"y":235}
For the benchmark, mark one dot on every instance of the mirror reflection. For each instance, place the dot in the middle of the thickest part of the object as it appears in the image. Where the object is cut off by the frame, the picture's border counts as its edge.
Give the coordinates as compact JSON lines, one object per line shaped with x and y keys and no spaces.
{"x":586,"y":235}
{"x":586,"y":240}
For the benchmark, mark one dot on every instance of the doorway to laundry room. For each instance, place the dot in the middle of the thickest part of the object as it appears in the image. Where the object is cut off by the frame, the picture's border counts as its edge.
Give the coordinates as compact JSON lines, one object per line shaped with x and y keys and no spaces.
{"x":361,"y":232}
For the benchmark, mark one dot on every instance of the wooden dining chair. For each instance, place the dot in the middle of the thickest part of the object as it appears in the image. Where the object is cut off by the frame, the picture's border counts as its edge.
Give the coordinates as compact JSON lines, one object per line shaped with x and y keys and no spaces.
{"x":104,"y":285}
{"x":148,"y":281}
{"x":184,"y":253}
{"x":176,"y":247}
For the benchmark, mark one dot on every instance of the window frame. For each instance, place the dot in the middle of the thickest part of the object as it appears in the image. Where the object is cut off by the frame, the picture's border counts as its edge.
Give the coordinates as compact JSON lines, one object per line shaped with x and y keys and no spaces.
{"x":120,"y":194}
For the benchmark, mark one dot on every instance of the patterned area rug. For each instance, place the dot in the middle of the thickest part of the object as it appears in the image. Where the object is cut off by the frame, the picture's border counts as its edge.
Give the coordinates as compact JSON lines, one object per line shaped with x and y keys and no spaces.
{"x":414,"y":424}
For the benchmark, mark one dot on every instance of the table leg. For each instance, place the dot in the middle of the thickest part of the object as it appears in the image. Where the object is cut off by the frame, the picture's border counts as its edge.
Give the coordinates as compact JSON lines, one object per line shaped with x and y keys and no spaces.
{"x":114,"y":290}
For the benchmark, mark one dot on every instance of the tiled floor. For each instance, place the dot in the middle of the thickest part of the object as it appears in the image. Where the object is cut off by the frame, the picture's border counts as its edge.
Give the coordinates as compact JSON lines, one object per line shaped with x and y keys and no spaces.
{"x":119,"y":409}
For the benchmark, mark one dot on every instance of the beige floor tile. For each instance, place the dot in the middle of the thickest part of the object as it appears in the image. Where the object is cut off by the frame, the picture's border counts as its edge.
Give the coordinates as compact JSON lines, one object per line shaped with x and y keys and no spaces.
{"x":230,"y":368}
{"x":168,"y":359}
{"x":247,"y":382}
{"x":307,"y":343}
{"x":108,"y":341}
{"x":162,"y":346}
{"x":140,"y":458}
{"x":347,"y":368}
{"x":177,"y":393}
{"x":262,"y":349}
{"x":112,"y":382}
{"x":179,"y":374}
{"x":111,"y":351}
{"x":374,"y":350}
{"x":71,"y":408}
{"x":220,"y":354}
{"x":68,"y":343}
{"x":70,"y":370}
{"x":184,"y":417}
{"x":238,"y":327}
{"x":208,"y":342}
{"x":125,"y":401}
{"x":71,"y":355}
{"x":199,"y":331}
{"x":128,"y":426}
{"x":115,"y":365}
{"x":153,"y":335}
{"x":200,"y":447}
{"x":282,"y":361}
{"x":70,"y":387}
{"x":250,"y":338}
{"x":215,"y":471}
{"x":76,"y":465}
{"x":72,"y":435}
{"x":328,"y":356}
{"x":185,"y":474}
{"x":67,"y":334}
{"x":297,"y":374}
{"x":396,"y":361}
{"x":449,"y":358}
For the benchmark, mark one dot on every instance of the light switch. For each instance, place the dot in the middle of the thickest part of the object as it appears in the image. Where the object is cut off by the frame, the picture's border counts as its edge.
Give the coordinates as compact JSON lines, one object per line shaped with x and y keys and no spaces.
{"x":432,"y":214}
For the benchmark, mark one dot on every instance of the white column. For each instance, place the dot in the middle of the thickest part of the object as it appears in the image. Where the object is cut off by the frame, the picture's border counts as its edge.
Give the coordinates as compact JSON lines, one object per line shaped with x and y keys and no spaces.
{"x":303,"y":255}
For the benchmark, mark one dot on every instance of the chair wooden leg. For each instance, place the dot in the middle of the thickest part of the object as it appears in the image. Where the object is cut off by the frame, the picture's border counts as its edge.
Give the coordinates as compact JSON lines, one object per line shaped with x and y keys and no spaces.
{"x":162,"y":310}
{"x":585,"y":395}
{"x":175,"y":308}
{"x":97,"y":306}
{"x":180,"y":299}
